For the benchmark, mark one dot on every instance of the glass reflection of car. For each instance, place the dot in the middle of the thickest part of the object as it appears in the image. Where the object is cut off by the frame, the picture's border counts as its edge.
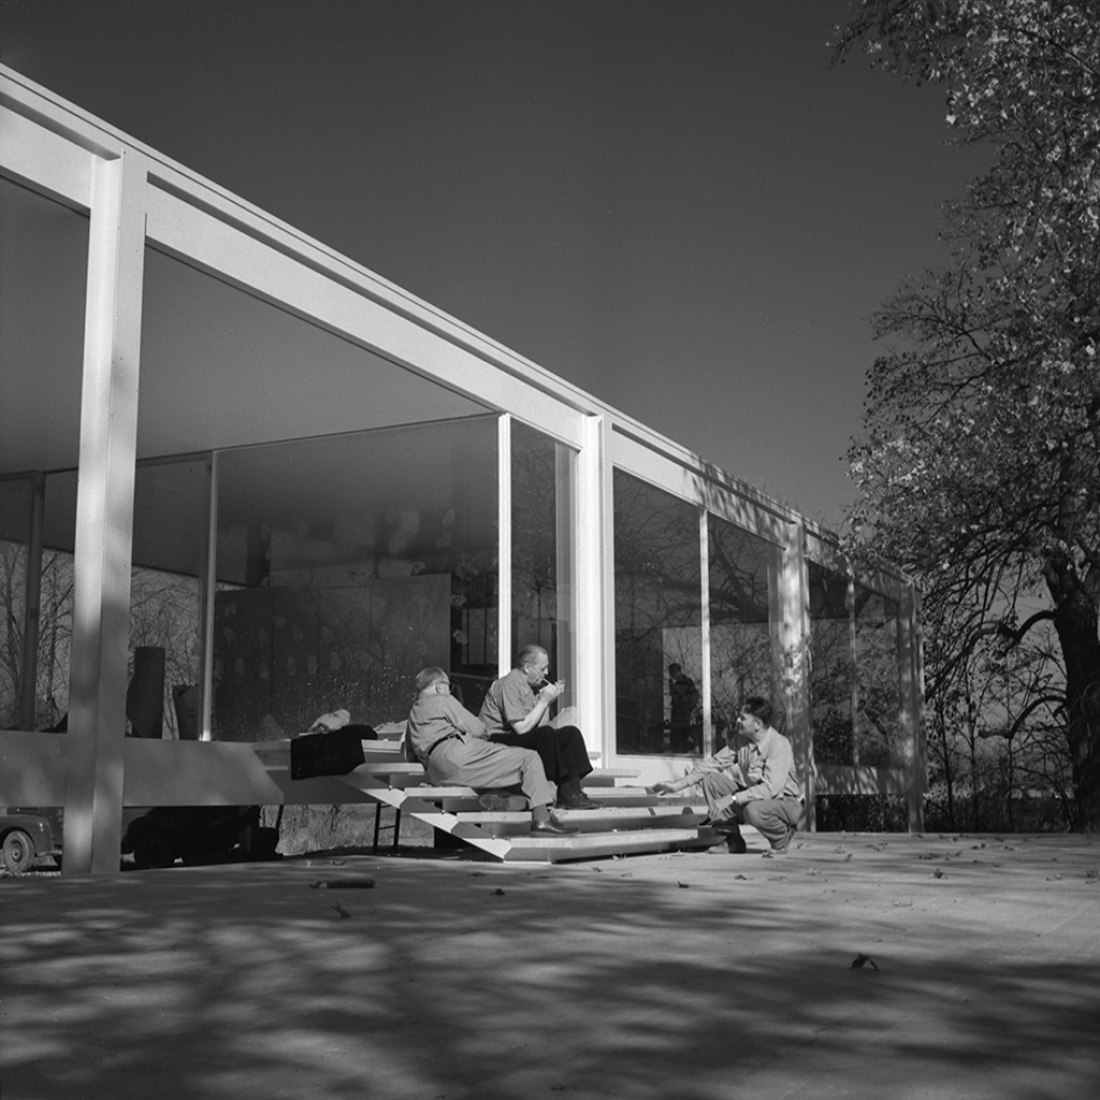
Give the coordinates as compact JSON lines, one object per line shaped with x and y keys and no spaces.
{"x":25,"y":837}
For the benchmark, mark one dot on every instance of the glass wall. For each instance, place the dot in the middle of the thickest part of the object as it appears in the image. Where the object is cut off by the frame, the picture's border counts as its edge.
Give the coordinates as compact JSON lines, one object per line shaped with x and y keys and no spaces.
{"x":16,"y":504}
{"x":43,"y":271}
{"x":344,"y":565}
{"x":746,"y":657}
{"x":171,"y":519}
{"x":55,"y":616}
{"x":832,"y":666}
{"x":878,"y":726}
{"x":856,"y":674}
{"x":658,"y":613}
{"x":542,"y":472}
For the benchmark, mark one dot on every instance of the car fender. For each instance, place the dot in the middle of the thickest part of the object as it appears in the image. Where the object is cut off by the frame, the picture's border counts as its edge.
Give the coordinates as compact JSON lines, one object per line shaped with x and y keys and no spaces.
{"x":37,"y":828}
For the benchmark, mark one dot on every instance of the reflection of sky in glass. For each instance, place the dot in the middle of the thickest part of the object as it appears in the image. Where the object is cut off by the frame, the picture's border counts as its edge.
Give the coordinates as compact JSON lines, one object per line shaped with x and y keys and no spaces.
{"x":536,"y":615}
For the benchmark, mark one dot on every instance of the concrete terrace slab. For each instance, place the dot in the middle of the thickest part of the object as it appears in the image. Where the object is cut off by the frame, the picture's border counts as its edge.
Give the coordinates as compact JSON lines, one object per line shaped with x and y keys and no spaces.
{"x":681,"y":977}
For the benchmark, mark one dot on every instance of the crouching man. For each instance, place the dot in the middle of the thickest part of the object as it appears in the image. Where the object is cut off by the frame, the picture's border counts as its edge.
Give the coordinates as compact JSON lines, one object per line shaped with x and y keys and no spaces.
{"x":452,"y":745}
{"x":755,"y":785}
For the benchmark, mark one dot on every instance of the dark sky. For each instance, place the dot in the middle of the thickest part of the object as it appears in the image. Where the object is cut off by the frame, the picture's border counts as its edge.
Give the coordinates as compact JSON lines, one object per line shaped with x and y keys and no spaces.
{"x":677,"y":204}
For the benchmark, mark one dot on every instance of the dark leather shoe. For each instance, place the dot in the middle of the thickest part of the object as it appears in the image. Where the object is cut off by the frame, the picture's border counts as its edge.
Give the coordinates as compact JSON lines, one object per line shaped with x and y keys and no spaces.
{"x":578,"y":802}
{"x":551,"y":828}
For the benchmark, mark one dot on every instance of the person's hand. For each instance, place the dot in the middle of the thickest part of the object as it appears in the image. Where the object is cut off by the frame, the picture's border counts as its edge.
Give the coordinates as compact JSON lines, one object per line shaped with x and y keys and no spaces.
{"x":550,"y":692}
{"x":663,"y":788}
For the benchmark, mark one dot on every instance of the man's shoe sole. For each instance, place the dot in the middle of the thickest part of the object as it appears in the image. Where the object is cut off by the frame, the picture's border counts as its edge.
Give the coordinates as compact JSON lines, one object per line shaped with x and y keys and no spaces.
{"x":548,"y":828}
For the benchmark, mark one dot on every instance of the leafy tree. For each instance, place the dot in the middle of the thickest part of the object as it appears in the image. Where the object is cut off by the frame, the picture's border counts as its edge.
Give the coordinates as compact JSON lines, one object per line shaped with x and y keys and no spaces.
{"x":980,"y":466}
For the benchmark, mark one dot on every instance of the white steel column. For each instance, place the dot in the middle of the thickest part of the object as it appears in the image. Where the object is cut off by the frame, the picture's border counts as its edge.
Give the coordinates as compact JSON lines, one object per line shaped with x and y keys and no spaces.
{"x":565,"y":495}
{"x":911,"y":662}
{"x":104,"y":516}
{"x":504,"y":544}
{"x":709,"y":747}
{"x":209,"y":581}
{"x":594,"y":577}
{"x":794,"y":618}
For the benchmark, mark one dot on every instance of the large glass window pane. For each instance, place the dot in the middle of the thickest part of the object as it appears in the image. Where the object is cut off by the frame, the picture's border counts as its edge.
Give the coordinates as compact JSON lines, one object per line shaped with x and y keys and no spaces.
{"x":347,"y":563}
{"x":541,"y":486}
{"x":16,"y":503}
{"x":744,"y":640}
{"x":878,"y":687}
{"x":55,"y":626}
{"x":832,"y":668}
{"x":171,"y":520}
{"x":43,"y":271}
{"x":658,"y":609}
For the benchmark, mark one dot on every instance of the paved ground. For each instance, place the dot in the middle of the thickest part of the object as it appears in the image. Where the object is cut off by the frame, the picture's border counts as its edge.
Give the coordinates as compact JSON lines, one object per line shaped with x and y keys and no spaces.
{"x":685,"y":977}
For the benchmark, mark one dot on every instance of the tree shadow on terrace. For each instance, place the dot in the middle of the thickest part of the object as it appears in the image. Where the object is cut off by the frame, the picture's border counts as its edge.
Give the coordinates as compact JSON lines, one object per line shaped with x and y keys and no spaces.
{"x":451,"y":980}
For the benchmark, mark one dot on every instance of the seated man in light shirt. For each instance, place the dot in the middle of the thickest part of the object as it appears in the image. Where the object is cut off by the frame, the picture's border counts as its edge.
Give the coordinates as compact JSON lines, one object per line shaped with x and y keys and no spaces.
{"x":452,"y":745}
{"x":516,"y":714}
{"x":755,"y":785}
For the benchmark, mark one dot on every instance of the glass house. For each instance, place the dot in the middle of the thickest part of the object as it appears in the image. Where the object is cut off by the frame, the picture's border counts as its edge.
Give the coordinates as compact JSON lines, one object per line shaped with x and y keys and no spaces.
{"x":245,"y":470}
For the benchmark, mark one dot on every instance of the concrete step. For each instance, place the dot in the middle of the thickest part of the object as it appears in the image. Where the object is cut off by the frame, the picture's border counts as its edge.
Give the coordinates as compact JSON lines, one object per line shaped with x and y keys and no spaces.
{"x":625,"y":818}
{"x":616,"y":820}
{"x":629,"y":820}
{"x":602,"y":845}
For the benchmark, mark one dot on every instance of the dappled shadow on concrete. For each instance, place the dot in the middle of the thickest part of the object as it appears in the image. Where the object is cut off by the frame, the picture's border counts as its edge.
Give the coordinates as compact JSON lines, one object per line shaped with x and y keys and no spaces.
{"x":693,"y":977}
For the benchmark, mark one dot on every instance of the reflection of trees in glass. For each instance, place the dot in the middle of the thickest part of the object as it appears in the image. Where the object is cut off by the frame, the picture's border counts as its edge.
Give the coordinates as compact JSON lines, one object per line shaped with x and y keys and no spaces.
{"x":13,"y":571}
{"x":657,"y":590}
{"x":55,"y":629}
{"x":831,"y":667}
{"x":741,"y":665}
{"x":743,"y":651}
{"x":164,"y":612}
{"x":51,"y":692}
{"x":854,"y":680}
{"x":879,"y":732}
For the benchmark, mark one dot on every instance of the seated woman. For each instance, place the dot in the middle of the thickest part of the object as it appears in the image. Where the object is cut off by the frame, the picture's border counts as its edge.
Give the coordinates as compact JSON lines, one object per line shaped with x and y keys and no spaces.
{"x":452,"y":745}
